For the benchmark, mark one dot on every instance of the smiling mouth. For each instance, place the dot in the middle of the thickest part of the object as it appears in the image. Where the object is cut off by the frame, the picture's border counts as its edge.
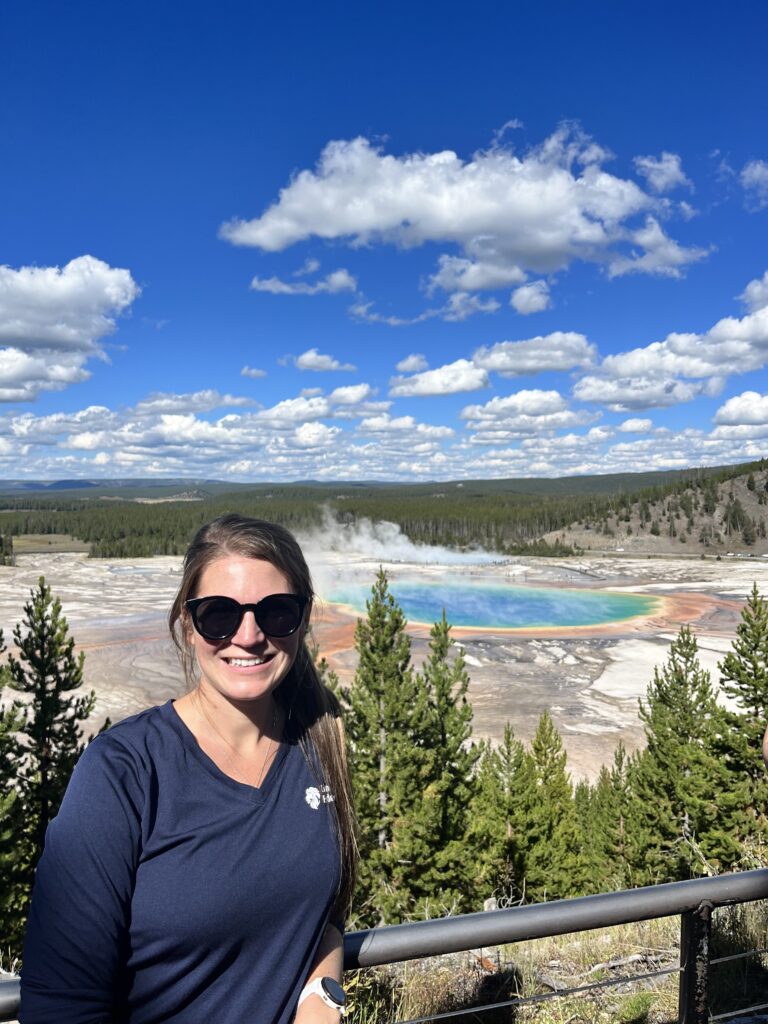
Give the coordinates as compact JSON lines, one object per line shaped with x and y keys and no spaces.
{"x":246,"y":662}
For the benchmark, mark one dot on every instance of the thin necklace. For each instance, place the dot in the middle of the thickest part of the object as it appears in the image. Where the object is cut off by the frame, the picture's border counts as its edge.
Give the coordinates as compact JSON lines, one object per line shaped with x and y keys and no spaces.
{"x":234,"y":749}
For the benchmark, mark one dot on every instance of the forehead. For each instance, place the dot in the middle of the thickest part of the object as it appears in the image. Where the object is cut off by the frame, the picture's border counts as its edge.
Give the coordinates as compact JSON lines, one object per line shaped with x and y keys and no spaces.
{"x":246,"y":579}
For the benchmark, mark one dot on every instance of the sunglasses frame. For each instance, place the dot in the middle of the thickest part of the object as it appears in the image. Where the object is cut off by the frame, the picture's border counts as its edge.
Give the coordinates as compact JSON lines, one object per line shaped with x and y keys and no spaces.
{"x":194,"y":603}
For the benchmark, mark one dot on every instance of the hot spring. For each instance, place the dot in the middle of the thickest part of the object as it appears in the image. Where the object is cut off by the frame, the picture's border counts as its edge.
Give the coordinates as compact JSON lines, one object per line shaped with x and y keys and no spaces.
{"x":494,"y":605}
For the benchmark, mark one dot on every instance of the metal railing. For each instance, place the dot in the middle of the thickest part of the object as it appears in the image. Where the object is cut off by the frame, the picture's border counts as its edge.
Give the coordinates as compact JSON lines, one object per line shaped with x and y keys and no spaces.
{"x":692,"y":900}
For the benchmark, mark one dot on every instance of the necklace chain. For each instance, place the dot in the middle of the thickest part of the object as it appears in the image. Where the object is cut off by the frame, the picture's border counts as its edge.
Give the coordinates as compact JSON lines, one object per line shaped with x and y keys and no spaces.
{"x":234,"y":749}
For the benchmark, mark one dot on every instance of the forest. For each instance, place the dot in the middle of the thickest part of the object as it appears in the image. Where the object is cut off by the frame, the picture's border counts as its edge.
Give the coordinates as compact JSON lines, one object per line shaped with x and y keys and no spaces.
{"x":535,"y":517}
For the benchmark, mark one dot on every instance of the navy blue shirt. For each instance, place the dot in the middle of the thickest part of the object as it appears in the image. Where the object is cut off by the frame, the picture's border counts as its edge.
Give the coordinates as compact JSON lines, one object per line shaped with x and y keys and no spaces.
{"x":168,"y":891}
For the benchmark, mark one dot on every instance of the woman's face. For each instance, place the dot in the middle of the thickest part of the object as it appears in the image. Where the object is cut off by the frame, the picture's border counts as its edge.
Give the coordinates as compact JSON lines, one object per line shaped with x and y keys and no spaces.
{"x":248,"y":665}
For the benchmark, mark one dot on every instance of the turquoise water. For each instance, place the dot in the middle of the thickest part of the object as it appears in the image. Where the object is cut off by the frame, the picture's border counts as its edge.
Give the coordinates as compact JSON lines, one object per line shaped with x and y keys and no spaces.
{"x":498,"y":606}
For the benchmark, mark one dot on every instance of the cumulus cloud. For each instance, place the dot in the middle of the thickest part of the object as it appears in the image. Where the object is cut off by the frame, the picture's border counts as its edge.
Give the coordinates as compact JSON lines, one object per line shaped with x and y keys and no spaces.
{"x":662,"y":173}
{"x":252,"y":371}
{"x":52,"y":320}
{"x":292,"y":410}
{"x":755,"y":295}
{"x":658,"y":254}
{"x":457,"y":273}
{"x":198,"y":401}
{"x":561,"y":350}
{"x":754,"y":181}
{"x":526,"y":412}
{"x":338,"y":281}
{"x":683,"y":365}
{"x":461,"y":375}
{"x":386,"y":424}
{"x":748,"y":407}
{"x":508,"y":214}
{"x":413,"y":363}
{"x":315,"y":435}
{"x":66,"y":308}
{"x":623,"y":394}
{"x":319,"y":363}
{"x":531,"y":298}
{"x":635,"y":426}
{"x":352,"y":394}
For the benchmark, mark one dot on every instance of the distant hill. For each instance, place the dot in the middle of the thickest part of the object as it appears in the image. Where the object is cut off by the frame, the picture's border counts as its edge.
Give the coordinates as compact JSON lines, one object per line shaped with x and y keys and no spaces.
{"x":723,"y":513}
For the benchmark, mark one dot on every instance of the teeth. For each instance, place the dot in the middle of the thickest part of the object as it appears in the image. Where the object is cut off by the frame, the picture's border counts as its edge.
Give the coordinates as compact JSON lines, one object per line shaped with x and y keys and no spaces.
{"x":246,"y":662}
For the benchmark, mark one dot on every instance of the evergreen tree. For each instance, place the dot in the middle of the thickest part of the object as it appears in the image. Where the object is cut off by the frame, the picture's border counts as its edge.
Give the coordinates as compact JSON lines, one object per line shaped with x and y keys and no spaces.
{"x":682,"y":796}
{"x":555,"y":864}
{"x":432,"y":848}
{"x":47,"y":670}
{"x":744,"y":678}
{"x":602,"y":814}
{"x":12,"y":908}
{"x":385,"y":731}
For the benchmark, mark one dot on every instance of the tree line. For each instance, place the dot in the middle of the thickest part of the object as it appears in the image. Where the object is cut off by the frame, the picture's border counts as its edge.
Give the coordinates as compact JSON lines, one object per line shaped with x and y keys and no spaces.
{"x":508,"y":516}
{"x":447,"y":823}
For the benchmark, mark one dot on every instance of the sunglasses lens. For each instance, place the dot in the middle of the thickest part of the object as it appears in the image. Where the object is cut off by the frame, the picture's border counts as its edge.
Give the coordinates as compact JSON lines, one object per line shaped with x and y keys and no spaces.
{"x":280,"y":614}
{"x":217,"y":618}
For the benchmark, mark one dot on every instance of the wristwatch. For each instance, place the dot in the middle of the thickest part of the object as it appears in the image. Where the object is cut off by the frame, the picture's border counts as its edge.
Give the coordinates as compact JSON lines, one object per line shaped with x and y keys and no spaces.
{"x":329,"y":990}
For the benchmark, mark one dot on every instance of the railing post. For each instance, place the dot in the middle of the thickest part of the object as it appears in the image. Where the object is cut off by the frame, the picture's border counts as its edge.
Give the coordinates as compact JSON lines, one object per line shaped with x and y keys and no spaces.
{"x":695,"y":930}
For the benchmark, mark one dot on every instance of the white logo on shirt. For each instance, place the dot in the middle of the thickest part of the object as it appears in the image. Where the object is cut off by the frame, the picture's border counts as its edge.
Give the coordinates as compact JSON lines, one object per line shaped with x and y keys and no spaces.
{"x":315,"y":796}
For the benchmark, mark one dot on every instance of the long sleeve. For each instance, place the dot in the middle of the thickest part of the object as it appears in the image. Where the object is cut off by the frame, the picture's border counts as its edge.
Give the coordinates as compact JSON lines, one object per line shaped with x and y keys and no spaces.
{"x":77,"y":936}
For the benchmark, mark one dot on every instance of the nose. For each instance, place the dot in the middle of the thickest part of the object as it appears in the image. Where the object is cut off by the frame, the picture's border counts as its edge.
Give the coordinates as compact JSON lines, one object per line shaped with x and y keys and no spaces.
{"x":248,"y":632}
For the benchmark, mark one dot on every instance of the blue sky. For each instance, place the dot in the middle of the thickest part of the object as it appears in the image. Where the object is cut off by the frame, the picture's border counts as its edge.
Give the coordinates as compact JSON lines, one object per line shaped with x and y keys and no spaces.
{"x":385,"y":241}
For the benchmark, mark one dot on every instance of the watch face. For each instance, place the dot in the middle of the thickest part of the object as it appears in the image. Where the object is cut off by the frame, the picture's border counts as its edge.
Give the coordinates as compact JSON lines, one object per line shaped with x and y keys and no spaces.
{"x":334,"y":991}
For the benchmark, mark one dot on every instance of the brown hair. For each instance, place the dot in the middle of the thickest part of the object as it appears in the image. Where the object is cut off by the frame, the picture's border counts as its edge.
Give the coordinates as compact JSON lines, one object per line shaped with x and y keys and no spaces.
{"x":311,"y":708}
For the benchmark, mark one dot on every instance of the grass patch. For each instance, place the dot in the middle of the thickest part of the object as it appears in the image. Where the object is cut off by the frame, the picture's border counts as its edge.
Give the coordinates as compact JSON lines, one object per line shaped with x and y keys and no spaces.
{"x":545,"y":968}
{"x":42,"y":543}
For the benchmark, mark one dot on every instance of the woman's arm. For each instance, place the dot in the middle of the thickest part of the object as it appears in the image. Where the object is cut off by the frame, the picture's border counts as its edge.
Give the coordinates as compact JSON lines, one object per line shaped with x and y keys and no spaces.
{"x":76,"y":943}
{"x":328,"y":963}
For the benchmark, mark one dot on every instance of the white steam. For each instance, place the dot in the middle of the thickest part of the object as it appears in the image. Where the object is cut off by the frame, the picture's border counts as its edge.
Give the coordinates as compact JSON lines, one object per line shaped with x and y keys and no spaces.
{"x":335,"y":549}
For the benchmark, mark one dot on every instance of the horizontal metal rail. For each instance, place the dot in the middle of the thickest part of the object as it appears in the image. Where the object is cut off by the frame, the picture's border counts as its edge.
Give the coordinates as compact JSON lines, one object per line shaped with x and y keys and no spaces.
{"x":393,"y":943}
{"x":373,"y":947}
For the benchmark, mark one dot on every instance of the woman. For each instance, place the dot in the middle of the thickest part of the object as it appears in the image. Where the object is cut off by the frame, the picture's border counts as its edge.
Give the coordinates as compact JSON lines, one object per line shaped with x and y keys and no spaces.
{"x":203,"y":858}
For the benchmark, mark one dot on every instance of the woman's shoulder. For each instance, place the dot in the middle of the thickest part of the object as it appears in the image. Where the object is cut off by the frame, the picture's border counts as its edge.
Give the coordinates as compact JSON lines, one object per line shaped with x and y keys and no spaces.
{"x":140,"y":740}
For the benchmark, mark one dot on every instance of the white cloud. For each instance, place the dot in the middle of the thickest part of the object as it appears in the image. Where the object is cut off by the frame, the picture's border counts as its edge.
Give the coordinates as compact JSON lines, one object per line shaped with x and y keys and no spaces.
{"x":561,"y":350}
{"x":746,"y":408}
{"x":352,"y":394}
{"x":251,"y":371}
{"x":458,"y":274}
{"x":314,"y":360}
{"x":198,"y":401}
{"x":635,"y":426}
{"x":526,"y":412}
{"x":754,"y":181}
{"x":315,"y":435}
{"x":755,"y":295}
{"x":458,"y":306}
{"x":386,"y":424}
{"x":461,"y":375}
{"x":662,"y":173}
{"x":531,"y":298}
{"x":508,"y":214}
{"x":291,"y":410}
{"x":623,"y":394}
{"x":68,"y":308}
{"x":52,"y":320}
{"x":338,"y":281}
{"x":412,"y":363}
{"x":660,"y":254}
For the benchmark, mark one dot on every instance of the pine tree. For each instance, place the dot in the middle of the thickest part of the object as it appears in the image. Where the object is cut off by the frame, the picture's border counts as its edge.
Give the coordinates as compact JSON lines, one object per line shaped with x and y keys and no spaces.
{"x":501,"y":807}
{"x":555,"y":865}
{"x":12,"y":906}
{"x":744,"y":678}
{"x":433,"y":851}
{"x":681,"y":795}
{"x":47,"y":670}
{"x":385,"y":731}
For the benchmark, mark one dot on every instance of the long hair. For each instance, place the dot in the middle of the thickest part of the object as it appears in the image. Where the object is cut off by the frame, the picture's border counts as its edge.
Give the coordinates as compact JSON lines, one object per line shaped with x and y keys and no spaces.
{"x":312,"y":711}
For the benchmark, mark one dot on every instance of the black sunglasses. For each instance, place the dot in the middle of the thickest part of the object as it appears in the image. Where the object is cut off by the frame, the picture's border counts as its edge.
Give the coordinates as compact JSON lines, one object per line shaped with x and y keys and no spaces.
{"x":218,"y":618}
